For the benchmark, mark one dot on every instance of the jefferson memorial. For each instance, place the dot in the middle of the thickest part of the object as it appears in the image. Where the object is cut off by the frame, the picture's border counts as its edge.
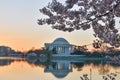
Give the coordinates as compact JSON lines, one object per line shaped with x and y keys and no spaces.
{"x":61,"y":46}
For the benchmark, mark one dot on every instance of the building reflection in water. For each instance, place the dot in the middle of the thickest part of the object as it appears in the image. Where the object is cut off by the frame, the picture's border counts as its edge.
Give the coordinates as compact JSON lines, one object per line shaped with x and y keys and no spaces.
{"x":59,"y":69}
{"x":5,"y":62}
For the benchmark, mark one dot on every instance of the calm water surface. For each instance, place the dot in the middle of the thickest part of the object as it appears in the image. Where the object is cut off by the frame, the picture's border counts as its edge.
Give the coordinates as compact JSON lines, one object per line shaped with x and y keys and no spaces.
{"x":21,"y":69}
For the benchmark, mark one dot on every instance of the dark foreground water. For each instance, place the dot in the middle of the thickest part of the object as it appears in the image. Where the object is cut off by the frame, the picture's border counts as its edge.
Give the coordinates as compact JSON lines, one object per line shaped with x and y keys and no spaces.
{"x":21,"y":69}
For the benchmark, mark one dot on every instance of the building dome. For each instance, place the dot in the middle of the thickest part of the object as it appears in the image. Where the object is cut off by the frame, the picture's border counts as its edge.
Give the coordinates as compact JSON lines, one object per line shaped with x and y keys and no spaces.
{"x":60,"y":41}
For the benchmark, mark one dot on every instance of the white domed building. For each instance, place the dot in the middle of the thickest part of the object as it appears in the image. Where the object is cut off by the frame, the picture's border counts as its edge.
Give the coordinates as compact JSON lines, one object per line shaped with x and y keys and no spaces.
{"x":62,"y":46}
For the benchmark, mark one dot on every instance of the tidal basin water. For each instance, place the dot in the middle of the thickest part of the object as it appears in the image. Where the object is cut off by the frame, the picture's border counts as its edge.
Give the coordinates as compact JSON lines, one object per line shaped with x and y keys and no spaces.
{"x":22,"y":69}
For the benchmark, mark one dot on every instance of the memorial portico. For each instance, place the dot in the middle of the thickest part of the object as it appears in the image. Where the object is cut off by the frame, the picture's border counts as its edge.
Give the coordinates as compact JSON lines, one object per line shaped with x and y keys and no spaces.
{"x":61,"y":46}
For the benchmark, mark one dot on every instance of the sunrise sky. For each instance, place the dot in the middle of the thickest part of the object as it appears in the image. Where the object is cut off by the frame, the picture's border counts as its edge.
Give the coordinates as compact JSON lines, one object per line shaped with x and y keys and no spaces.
{"x":20,"y":31}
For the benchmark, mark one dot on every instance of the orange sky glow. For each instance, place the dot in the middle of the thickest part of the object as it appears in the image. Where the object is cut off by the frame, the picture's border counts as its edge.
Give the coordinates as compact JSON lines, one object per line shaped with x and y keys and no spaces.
{"x":20,"y":31}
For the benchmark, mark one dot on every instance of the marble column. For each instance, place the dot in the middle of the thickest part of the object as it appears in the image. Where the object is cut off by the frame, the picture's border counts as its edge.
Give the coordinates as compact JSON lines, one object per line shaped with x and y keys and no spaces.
{"x":64,"y":49}
{"x":57,"y":50}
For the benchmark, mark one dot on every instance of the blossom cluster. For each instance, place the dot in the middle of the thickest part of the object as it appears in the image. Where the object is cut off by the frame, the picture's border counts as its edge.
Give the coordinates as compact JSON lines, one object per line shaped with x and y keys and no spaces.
{"x":98,"y":14}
